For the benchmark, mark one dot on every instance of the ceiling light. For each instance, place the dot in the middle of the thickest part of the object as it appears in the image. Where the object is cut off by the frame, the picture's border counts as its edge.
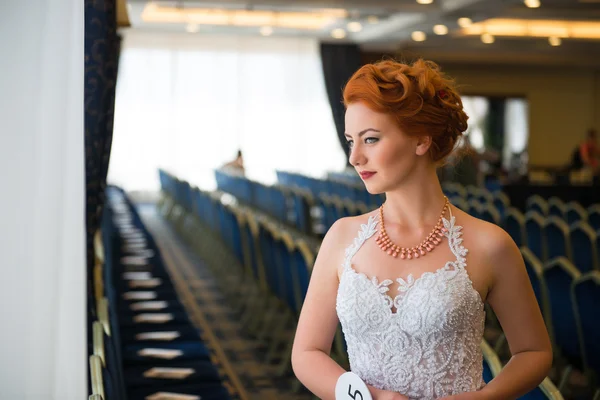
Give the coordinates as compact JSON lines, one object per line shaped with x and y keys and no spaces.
{"x":532,"y":3}
{"x":487,"y":38}
{"x":554,"y":41}
{"x":440,"y":29}
{"x":266,"y":31}
{"x":465,"y":22}
{"x":536,"y":28}
{"x":309,"y":20}
{"x":418,"y":36}
{"x":354,"y":26}
{"x":192,"y":28}
{"x":338,"y":33}
{"x":424,"y":1}
{"x":372,"y":19}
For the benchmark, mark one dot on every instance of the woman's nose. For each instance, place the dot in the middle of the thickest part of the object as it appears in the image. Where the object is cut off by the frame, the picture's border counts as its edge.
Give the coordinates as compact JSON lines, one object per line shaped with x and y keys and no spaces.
{"x":356,"y":156}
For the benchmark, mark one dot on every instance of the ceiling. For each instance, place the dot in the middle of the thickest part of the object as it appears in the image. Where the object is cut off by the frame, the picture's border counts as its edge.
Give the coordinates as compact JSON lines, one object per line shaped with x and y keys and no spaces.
{"x":398,"y":19}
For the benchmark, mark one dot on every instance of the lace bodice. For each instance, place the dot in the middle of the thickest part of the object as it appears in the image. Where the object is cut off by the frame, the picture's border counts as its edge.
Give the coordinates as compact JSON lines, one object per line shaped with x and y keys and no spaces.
{"x":429,"y":347}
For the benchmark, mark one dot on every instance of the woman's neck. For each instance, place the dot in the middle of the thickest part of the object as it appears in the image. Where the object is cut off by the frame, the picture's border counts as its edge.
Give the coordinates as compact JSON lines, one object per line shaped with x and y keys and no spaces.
{"x":417,"y":203}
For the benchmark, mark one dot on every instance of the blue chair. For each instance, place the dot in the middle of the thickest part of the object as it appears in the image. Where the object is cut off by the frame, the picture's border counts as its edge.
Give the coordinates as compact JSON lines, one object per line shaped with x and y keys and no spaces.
{"x":537,"y":203}
{"x":535,"y":270}
{"x":485,"y":197}
{"x":514,"y":224}
{"x":559,"y":275}
{"x":586,"y":298}
{"x":492,"y":367}
{"x":556,"y":233}
{"x":546,"y":390}
{"x":583,"y":247}
{"x":460,"y":203}
{"x":475,"y":208}
{"x":472,"y":193}
{"x":594,"y":216}
{"x":491,"y":363}
{"x":534,"y":231}
{"x":490,"y":214}
{"x":501,"y":202}
{"x":575,"y":212}
{"x":302,"y":261}
{"x":556,"y":207}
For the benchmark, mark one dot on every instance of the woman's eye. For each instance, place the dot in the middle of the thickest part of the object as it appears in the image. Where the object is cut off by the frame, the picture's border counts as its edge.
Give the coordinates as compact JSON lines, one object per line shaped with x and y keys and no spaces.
{"x":350,"y":143}
{"x":371,"y":140}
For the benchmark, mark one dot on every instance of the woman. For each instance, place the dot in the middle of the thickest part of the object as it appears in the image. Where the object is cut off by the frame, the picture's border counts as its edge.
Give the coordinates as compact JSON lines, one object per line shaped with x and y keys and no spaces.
{"x":408,"y":293}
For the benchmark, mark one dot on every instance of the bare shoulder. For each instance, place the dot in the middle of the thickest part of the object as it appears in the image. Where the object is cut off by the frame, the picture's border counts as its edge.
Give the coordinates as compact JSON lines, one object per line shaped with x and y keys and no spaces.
{"x":344,"y":230}
{"x":484,"y":235}
{"x":339,"y":237}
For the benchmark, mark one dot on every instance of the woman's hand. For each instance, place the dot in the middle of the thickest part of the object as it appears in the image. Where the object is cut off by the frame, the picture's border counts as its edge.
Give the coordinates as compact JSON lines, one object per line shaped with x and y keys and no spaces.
{"x":379,"y":394}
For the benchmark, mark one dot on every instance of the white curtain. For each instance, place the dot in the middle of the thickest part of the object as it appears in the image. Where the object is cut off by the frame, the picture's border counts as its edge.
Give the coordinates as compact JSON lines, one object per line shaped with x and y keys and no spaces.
{"x":516,"y":124}
{"x":188,"y":102}
{"x":476,"y":107}
{"x":43,"y":342}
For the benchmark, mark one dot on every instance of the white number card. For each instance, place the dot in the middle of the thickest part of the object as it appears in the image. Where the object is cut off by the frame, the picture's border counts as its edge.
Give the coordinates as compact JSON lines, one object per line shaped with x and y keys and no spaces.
{"x":351,"y":387}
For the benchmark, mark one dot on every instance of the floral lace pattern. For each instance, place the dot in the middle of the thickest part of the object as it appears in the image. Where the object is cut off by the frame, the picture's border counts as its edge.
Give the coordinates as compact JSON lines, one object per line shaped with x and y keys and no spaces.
{"x":429,"y":346}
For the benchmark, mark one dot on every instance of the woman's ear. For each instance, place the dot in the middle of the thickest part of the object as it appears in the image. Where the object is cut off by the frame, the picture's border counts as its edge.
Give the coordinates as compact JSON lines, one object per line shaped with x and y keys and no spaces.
{"x":423,"y":144}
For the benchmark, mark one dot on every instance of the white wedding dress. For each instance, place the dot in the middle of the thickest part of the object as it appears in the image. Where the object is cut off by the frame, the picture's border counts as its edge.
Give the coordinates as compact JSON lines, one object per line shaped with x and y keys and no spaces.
{"x":430,"y":346}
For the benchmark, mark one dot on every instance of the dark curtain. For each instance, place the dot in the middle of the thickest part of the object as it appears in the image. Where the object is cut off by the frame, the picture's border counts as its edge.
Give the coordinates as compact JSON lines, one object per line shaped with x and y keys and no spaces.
{"x":102,"y":47}
{"x":494,"y":138}
{"x":339,"y":61}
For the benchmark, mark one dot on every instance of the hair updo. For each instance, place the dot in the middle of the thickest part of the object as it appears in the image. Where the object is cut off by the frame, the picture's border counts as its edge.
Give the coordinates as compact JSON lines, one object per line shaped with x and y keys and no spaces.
{"x":422,"y":100}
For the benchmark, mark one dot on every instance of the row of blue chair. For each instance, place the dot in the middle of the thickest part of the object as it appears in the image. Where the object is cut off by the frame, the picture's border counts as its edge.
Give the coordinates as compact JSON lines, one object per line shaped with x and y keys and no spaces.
{"x":262,"y":269}
{"x":550,"y":237}
{"x":157,"y":348}
{"x":569,"y":303}
{"x":355,"y":192}
{"x":256,"y":245}
{"x":571,"y":212}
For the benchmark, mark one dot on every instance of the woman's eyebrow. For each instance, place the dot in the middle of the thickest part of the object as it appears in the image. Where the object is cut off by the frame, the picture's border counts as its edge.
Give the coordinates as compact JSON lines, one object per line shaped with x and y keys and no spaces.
{"x":363,"y":132}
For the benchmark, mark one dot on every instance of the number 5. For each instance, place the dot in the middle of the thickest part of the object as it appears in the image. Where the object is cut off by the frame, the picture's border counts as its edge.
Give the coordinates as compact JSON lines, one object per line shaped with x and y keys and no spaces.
{"x":356,"y":392}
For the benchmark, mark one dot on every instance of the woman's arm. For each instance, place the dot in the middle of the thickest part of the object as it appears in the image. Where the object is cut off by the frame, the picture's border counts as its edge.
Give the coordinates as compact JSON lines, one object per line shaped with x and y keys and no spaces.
{"x":318,"y":321}
{"x":512,"y":299}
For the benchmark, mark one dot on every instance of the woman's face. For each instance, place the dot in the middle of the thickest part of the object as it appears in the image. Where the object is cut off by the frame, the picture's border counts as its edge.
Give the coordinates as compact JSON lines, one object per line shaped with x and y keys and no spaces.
{"x":379,"y":151}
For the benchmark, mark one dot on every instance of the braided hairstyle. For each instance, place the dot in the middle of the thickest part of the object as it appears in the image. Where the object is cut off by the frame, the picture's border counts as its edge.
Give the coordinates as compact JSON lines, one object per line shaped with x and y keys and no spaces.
{"x":422,"y":100}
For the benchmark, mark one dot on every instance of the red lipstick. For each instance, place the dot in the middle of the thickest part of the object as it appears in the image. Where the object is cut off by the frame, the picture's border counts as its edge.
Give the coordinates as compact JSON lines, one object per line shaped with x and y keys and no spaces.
{"x":366,"y":174}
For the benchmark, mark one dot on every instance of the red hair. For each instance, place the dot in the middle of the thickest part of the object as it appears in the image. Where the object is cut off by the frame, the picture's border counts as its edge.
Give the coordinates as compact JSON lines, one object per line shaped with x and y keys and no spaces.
{"x":422,"y":100}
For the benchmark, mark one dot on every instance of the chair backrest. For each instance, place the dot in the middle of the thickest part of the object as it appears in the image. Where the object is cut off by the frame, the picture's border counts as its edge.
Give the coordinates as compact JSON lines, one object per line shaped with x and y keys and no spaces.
{"x":475,"y":208}
{"x":303,"y":259}
{"x":461,"y":203}
{"x":537,"y":203}
{"x":586,"y":297}
{"x":490,"y":214}
{"x":556,"y":207}
{"x":556,"y":233}
{"x":461,"y":191}
{"x":534,"y":231}
{"x":485,"y":197}
{"x":96,"y":376}
{"x":559,"y":275}
{"x":583,"y":247}
{"x":502,"y":202}
{"x":287,"y":269}
{"x":491,"y":362}
{"x":575,"y":212}
{"x":535,"y":270}
{"x":492,"y":367}
{"x":472,"y":192}
{"x":514,"y":224}
{"x":545,"y":391}
{"x":594,"y":216}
